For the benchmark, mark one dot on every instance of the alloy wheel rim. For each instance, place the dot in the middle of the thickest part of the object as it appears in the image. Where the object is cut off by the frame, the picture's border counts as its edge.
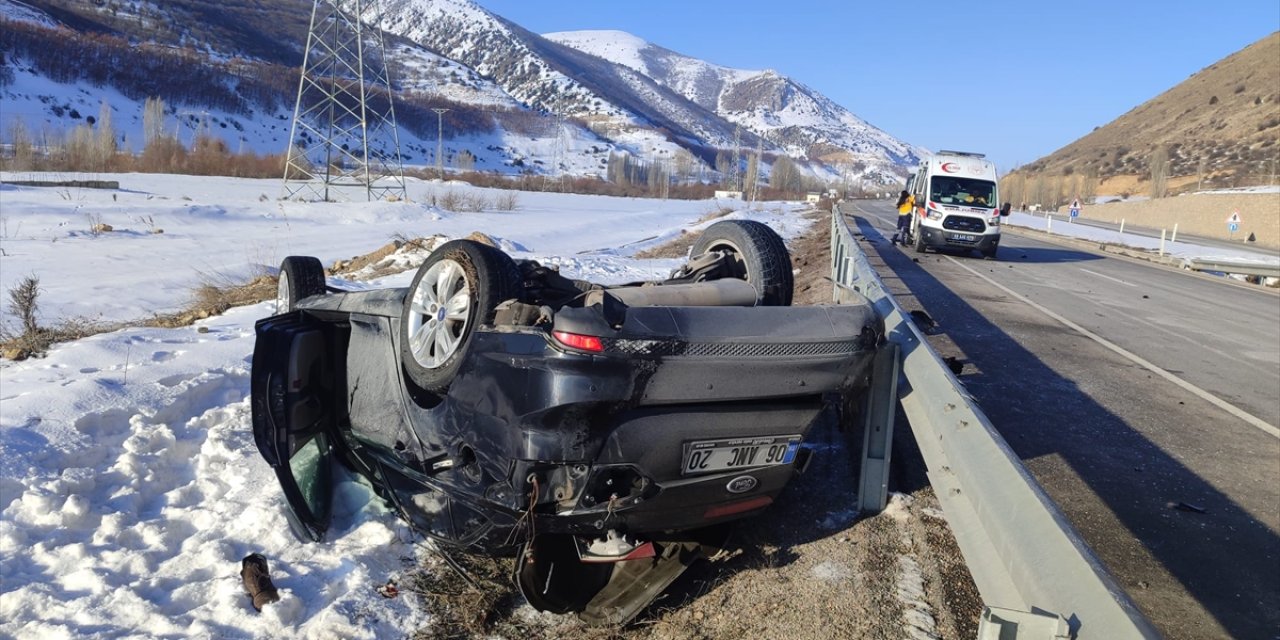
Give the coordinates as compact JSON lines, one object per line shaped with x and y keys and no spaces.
{"x":283,"y":300}
{"x":439,"y":313}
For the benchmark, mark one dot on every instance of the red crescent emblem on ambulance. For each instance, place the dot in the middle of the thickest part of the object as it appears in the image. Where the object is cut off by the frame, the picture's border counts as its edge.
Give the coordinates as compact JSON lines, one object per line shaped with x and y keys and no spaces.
{"x":950,"y":167}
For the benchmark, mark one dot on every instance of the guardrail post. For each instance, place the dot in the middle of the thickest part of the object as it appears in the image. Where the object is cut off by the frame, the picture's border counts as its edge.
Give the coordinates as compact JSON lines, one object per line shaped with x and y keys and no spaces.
{"x":877,"y":443}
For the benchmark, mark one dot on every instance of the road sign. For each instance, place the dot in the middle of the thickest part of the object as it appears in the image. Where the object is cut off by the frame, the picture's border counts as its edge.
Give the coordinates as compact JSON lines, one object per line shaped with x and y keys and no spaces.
{"x":1075,"y":212}
{"x":1233,"y":227}
{"x":1235,"y":218}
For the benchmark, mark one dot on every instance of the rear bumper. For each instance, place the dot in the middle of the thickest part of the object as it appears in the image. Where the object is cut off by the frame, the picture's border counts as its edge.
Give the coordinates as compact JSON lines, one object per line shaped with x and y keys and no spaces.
{"x":602,"y":438}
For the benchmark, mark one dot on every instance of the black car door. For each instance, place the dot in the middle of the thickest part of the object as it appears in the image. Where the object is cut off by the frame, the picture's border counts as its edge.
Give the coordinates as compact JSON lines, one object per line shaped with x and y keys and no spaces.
{"x":292,"y":388}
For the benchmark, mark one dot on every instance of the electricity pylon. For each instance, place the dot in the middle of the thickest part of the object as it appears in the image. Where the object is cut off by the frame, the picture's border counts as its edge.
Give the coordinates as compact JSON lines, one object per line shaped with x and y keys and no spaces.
{"x":344,"y":139}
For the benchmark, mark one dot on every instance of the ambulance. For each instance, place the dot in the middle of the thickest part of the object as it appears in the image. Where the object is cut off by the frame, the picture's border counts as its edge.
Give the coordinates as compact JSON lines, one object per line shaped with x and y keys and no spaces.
{"x":955,"y":195}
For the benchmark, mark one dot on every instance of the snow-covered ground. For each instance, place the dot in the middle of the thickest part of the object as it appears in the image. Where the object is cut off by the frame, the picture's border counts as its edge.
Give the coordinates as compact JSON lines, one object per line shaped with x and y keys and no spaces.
{"x":130,"y":487}
{"x":1183,"y":250}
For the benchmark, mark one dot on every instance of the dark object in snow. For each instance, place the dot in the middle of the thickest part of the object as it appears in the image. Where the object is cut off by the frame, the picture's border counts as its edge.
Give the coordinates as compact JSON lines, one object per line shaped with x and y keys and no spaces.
{"x":389,"y":590}
{"x":1186,"y":506}
{"x":602,"y":435}
{"x":1145,"y":297}
{"x":916,"y":260}
{"x":257,"y":580}
{"x":954,"y":364}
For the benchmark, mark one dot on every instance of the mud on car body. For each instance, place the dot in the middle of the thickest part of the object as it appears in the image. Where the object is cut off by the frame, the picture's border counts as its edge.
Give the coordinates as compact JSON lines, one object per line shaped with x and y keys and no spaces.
{"x":605,"y":434}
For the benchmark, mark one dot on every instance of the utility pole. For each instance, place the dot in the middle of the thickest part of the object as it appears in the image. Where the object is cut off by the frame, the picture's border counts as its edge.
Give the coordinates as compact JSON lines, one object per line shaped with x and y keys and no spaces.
{"x":342,"y":141}
{"x":755,"y":180}
{"x":440,"y":141}
{"x":737,"y":159}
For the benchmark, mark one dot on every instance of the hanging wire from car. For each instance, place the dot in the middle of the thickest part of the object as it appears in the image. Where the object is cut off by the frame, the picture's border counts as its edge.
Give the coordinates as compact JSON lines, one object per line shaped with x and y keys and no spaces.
{"x":527,"y":519}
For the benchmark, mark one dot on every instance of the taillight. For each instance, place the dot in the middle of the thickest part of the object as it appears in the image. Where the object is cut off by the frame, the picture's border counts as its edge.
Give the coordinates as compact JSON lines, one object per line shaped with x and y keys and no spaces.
{"x":579,"y":341}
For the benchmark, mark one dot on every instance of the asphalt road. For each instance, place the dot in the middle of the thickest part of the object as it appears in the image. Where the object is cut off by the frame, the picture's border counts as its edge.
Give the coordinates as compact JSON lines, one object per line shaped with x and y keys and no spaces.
{"x":1145,"y":401}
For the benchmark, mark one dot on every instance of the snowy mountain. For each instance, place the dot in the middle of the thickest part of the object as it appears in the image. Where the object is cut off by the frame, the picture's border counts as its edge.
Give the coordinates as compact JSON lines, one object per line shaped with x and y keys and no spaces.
{"x":783,"y":111}
{"x":518,"y":102}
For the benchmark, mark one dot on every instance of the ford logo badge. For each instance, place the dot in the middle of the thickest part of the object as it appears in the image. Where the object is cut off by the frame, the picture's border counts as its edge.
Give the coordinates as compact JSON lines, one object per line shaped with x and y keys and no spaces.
{"x":741,"y":484}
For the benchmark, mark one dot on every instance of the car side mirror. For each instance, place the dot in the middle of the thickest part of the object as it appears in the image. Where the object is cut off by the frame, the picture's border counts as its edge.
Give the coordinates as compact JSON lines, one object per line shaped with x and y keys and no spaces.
{"x":1004,"y":209}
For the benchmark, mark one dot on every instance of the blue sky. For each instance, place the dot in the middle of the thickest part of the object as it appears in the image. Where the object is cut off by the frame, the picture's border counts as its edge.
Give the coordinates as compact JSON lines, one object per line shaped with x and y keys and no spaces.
{"x":1016,"y":80}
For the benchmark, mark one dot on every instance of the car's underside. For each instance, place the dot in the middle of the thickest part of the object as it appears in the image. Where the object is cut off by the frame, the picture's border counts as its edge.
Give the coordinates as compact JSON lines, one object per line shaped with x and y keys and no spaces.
{"x":602,"y":434}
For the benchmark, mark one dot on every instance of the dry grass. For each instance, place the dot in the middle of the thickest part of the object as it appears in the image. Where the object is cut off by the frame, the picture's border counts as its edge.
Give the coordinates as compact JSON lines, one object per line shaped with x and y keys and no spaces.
{"x":680,"y":246}
{"x":34,"y":340}
{"x":717,"y":211}
{"x":35,"y":344}
{"x":506,"y":201}
{"x":460,"y":201}
{"x":214,"y":295}
{"x":463,"y":598}
{"x":676,"y":248}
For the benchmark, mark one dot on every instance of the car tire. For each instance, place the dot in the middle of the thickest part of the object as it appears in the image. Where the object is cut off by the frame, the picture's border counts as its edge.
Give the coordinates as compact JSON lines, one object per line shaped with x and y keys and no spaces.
{"x":300,"y":277}
{"x":990,"y":254}
{"x":453,"y":292}
{"x":919,"y":244}
{"x":761,"y":257}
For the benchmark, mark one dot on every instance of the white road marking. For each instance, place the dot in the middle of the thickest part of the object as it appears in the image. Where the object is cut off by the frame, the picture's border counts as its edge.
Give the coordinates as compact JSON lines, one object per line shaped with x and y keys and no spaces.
{"x":1136,"y":359}
{"x":1094,"y":273}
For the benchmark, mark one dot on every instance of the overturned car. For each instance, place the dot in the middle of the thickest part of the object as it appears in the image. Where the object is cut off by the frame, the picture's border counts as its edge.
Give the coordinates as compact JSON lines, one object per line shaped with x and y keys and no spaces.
{"x":601,"y":434}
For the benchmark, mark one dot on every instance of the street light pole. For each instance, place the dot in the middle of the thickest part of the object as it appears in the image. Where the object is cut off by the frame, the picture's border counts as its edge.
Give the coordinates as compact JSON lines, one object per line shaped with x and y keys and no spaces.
{"x":440,"y":141}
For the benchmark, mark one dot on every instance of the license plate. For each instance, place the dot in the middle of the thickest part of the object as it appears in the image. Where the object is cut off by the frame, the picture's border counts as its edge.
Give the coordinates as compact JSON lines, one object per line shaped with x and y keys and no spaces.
{"x":708,"y":456}
{"x":964,"y":237}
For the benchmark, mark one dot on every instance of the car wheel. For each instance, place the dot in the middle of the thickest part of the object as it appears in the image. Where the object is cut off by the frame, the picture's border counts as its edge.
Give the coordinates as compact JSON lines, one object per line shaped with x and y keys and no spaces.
{"x":919,"y":244}
{"x":759,"y":256}
{"x":989,"y":254}
{"x":300,"y":277}
{"x":454,"y":291}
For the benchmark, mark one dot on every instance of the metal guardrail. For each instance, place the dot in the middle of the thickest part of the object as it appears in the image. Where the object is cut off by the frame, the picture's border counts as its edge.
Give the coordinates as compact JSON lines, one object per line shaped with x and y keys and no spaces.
{"x":1242,"y":267}
{"x":1037,"y":577}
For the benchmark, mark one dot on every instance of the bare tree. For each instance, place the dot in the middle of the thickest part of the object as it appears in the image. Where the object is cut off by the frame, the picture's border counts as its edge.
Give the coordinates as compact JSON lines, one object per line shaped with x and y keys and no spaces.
{"x":24,"y":157}
{"x":466,"y":160}
{"x":105,"y":140}
{"x":1040,"y":191}
{"x":152,"y":121}
{"x":684,"y":163}
{"x":753,"y":170}
{"x":784,"y":175}
{"x":1159,"y":171}
{"x":1089,"y":185}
